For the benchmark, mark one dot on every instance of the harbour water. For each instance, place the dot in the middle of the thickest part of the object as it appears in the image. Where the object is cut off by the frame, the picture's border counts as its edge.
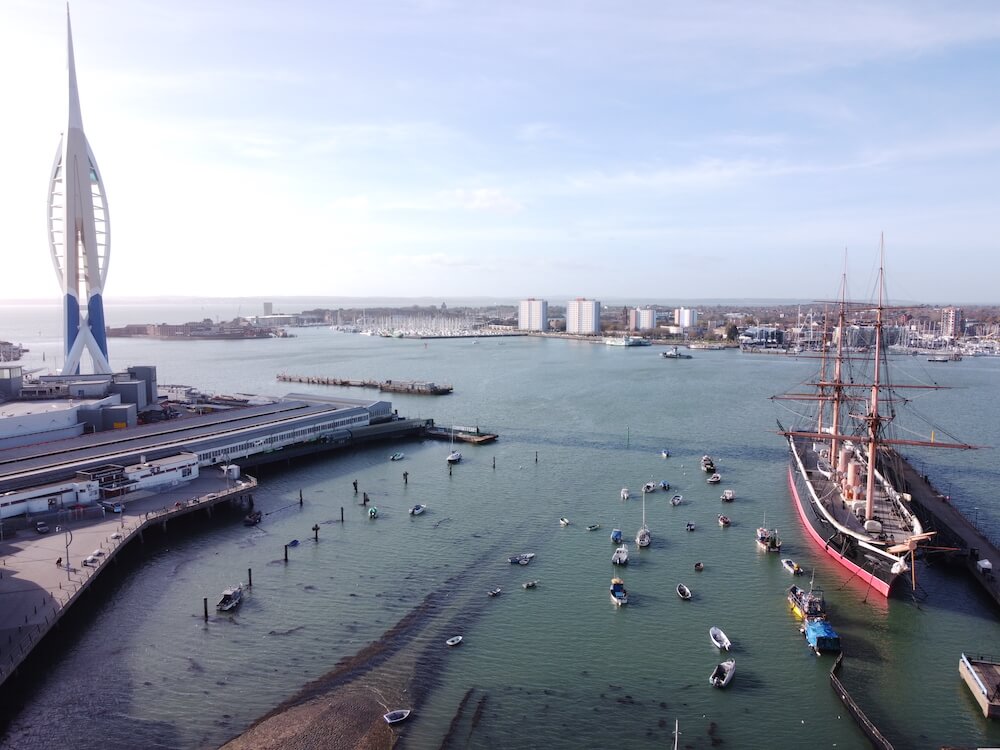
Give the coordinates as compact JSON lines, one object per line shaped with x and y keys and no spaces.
{"x":559,"y":666}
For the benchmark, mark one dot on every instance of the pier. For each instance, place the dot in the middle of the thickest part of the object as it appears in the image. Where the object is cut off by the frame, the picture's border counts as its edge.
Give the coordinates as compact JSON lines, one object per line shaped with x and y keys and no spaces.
{"x":936,"y":512}
{"x":982,"y":676}
{"x":462,"y":434}
{"x":419,"y":387}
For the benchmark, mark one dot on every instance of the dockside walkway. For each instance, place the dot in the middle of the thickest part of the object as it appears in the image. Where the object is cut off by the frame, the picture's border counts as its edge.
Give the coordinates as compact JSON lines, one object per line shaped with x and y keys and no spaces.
{"x":36,"y":593}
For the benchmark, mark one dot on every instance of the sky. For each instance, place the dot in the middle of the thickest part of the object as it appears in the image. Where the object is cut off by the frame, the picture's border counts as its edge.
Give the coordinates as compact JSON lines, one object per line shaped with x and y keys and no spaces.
{"x":656,"y":150}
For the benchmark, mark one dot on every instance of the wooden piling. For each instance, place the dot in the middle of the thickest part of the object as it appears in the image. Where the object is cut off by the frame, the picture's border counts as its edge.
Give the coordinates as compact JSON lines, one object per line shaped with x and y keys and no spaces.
{"x":205,"y":604}
{"x":300,"y":497}
{"x":341,"y":513}
{"x":249,"y":577}
{"x":315,"y":530}
{"x":286,"y":553}
{"x":494,"y":462}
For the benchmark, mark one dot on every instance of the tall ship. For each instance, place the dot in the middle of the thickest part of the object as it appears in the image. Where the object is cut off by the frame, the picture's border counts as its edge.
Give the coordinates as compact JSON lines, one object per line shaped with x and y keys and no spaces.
{"x":845,"y":475}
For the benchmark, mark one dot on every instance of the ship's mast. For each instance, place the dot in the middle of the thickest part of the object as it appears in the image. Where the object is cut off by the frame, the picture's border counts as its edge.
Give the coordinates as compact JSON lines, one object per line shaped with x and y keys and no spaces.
{"x":838,"y":373}
{"x":874,"y":419}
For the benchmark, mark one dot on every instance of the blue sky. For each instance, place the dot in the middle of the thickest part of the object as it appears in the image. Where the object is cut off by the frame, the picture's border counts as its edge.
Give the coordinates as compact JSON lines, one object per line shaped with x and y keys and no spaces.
{"x":647,"y":150}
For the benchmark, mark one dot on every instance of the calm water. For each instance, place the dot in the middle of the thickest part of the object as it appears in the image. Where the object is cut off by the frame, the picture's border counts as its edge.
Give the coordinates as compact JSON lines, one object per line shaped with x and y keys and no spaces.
{"x":560,"y":666}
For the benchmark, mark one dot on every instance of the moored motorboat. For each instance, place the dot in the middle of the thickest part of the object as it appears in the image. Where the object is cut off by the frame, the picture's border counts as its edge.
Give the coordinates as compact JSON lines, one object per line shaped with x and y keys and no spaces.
{"x":373,"y":512}
{"x":821,"y":636}
{"x":707,"y":464}
{"x":616,"y":536}
{"x":620,"y":555}
{"x":642,"y":536}
{"x":722,"y":675}
{"x":454,"y":457}
{"x":454,"y":640}
{"x":231,"y":598}
{"x":649,"y":487}
{"x":677,"y":499}
{"x":699,"y":566}
{"x":768,"y":540}
{"x":417,"y":509}
{"x":689,"y":526}
{"x":683,"y":591}
{"x":719,"y":639}
{"x":674,"y":353}
{"x":397,"y":456}
{"x":727,"y":496}
{"x":791,"y":566}
{"x":724,"y":520}
{"x":253,"y":518}
{"x":665,"y":453}
{"x":624,"y":493}
{"x":522,"y":559}
{"x":494,"y":592}
{"x":564,"y":521}
{"x":594,"y":527}
{"x":714,"y":479}
{"x":618,"y":593}
{"x":394,"y":717}
{"x":809,"y":603}
{"x":529,"y":584}
{"x":664,"y":485}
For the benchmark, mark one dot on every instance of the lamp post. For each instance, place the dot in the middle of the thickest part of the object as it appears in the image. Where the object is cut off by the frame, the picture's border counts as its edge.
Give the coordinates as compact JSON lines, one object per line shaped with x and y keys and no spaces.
{"x":69,"y":538}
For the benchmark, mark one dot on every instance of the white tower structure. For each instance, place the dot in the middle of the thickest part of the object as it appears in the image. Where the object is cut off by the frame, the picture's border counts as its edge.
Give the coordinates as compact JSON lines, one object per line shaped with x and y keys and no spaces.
{"x":533,"y":315}
{"x":79,"y":236}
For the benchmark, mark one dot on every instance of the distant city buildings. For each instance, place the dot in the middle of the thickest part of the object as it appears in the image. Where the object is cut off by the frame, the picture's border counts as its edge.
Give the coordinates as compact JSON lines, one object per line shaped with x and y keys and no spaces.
{"x":642,"y":319}
{"x":583,"y":316}
{"x":533,"y":315}
{"x":951,"y":322}
{"x":685,"y":317}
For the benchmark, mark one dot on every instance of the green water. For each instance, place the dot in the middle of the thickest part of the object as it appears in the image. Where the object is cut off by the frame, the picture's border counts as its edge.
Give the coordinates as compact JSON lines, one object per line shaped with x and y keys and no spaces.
{"x":558,"y":666}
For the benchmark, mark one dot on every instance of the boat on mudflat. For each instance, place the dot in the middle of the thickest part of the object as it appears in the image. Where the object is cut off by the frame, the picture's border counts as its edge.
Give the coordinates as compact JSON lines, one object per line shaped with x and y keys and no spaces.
{"x":394,"y":717}
{"x":253,"y":518}
{"x":848,"y":483}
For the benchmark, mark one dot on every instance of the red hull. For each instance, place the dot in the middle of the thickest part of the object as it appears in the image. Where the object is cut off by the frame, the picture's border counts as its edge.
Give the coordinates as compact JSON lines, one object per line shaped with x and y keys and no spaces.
{"x":863,"y":575}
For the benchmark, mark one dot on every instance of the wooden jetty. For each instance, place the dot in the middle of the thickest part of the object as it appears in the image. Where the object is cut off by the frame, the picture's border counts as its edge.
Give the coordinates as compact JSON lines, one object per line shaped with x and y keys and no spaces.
{"x":937,"y":513}
{"x":419,"y":387}
{"x":462,"y":434}
{"x":982,"y":675}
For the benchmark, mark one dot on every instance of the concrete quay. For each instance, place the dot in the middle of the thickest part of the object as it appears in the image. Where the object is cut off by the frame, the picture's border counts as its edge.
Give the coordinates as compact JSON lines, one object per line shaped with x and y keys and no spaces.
{"x":35,"y":593}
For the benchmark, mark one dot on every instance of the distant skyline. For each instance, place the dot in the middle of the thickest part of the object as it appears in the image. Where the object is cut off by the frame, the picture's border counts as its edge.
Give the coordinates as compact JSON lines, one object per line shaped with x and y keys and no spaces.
{"x":457,"y":150}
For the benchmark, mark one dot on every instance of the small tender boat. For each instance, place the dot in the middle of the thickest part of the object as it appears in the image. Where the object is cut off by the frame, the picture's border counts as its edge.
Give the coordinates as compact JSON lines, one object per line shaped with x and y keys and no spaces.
{"x":620,"y":556}
{"x":417,"y":509}
{"x":594,"y":527}
{"x":707,"y":464}
{"x":724,"y":520}
{"x":523,"y":559}
{"x":689,"y":526}
{"x":454,"y":640}
{"x":791,"y":566}
{"x":722,"y":675}
{"x":649,"y":487}
{"x":618,"y":593}
{"x":821,"y":636}
{"x":564,"y":522}
{"x":683,"y":591}
{"x":677,"y":499}
{"x":719,"y":639}
{"x":664,"y":485}
{"x":494,"y":592}
{"x":231,"y":598}
{"x":253,"y":518}
{"x":665,"y":453}
{"x":394,"y":717}
{"x":529,"y":584}
{"x":397,"y":456}
{"x":728,"y":496}
{"x":699,"y":566}
{"x":616,"y":536}
{"x":714,"y":479}
{"x":454,"y":457}
{"x":625,"y":493}
{"x":373,"y":512}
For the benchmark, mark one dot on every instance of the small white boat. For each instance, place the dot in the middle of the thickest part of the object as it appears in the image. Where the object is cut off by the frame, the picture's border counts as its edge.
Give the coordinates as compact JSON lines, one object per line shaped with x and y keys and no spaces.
{"x":643,"y":537}
{"x":665,"y":453}
{"x":231,"y":599}
{"x":724,"y":521}
{"x":417,"y":509}
{"x":699,"y":566}
{"x":564,"y":522}
{"x":594,"y":527}
{"x":728,"y":496}
{"x":454,"y":457}
{"x":397,"y":456}
{"x":722,"y":675}
{"x":649,"y":487}
{"x":719,"y":639}
{"x":791,"y":566}
{"x":618,"y":593}
{"x":373,"y":512}
{"x":394,"y":717}
{"x":620,"y":556}
{"x":677,"y":499}
{"x":529,"y":584}
{"x":494,"y":592}
{"x":714,"y":479}
{"x":683,"y":592}
{"x":624,"y":493}
{"x":454,"y":640}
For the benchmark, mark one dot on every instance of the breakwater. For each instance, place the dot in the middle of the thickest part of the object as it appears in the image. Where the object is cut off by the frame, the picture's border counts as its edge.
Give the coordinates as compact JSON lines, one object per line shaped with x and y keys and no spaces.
{"x":416,"y":387}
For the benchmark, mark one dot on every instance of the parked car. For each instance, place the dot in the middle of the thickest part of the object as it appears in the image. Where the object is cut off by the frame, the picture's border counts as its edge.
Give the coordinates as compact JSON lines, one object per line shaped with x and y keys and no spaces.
{"x":113,"y":507}
{"x":41,"y":527}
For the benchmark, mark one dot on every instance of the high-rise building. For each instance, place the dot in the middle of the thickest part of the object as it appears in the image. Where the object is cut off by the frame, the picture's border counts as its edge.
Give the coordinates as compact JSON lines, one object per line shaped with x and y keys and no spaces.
{"x":685,"y":317}
{"x":533,"y":315}
{"x":951,"y":322}
{"x":583,"y":316}
{"x":642,"y":319}
{"x":79,"y":232}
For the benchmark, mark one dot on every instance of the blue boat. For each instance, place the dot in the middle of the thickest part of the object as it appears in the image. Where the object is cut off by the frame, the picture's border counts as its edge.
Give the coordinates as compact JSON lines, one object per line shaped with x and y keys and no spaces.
{"x":821,"y":636}
{"x":616,"y":536}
